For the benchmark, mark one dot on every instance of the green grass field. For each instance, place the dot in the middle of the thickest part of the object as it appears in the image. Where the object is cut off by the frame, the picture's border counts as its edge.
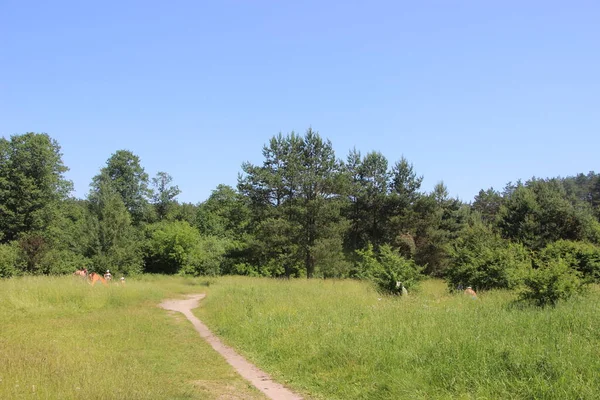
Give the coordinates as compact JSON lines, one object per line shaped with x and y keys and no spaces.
{"x":63,"y":339}
{"x":337,"y":340}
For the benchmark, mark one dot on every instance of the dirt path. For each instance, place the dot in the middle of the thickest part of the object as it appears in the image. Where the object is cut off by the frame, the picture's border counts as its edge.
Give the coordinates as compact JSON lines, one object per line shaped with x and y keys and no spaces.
{"x":250,"y":372}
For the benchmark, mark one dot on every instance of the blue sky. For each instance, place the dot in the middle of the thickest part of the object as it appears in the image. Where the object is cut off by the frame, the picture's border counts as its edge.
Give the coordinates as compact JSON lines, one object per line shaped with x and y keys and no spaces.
{"x":474,"y":93}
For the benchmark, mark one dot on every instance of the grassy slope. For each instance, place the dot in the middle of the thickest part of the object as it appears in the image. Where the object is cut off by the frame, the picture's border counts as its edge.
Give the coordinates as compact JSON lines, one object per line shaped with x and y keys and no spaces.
{"x":337,"y":340}
{"x":63,"y":339}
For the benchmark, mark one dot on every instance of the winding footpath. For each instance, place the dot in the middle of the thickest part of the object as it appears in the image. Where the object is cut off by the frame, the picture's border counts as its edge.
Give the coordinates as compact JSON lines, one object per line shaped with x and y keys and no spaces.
{"x":261,"y":380}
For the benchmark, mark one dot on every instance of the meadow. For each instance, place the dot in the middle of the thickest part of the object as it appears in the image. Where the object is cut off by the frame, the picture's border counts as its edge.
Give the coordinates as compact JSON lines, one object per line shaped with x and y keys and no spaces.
{"x":60,"y":338}
{"x":342,"y":340}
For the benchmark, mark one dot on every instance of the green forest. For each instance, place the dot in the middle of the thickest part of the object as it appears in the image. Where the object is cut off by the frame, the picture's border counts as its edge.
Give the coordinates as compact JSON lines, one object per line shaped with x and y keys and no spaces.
{"x":303,"y":212}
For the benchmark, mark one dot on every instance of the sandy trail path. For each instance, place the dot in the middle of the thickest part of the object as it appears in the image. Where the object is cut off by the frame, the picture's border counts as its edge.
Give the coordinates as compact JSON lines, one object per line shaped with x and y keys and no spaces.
{"x":261,"y":380}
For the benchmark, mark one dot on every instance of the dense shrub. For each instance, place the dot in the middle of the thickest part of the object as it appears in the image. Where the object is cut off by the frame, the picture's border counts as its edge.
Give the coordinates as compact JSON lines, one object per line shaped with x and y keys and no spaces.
{"x":206,"y":257}
{"x":386,"y":269}
{"x":482,"y":259}
{"x":177,"y":247}
{"x":8,"y":260}
{"x":119,"y":260}
{"x":551,"y":282}
{"x":329,"y":258}
{"x":33,"y":249}
{"x":244,"y":269}
{"x":366,"y":263}
{"x":540,"y":212}
{"x":59,"y":262}
{"x":581,"y":256}
{"x":170,"y":246}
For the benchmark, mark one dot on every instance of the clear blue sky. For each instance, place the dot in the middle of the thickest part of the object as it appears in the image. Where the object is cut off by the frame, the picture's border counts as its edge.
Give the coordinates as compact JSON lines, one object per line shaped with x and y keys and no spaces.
{"x":474,"y":93}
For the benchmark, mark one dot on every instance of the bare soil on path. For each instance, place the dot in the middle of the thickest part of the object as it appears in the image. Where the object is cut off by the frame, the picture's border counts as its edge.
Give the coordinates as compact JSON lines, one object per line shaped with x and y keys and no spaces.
{"x":261,"y":380}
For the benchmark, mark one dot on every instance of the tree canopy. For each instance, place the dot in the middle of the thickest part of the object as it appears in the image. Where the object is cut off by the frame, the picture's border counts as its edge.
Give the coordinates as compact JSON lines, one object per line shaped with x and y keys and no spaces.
{"x":302,"y":212}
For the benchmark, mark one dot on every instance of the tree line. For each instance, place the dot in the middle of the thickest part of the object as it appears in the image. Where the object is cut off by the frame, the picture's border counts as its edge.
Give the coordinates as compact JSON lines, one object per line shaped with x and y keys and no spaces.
{"x":302,"y":212}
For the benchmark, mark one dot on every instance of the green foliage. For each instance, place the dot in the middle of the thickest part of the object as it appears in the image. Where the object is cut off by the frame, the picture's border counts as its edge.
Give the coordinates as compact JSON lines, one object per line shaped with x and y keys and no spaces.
{"x":585,"y":188}
{"x":236,"y":260}
{"x":405,"y":184}
{"x":273,"y":251}
{"x":164,"y":196}
{"x":300,"y":213}
{"x":32,"y":183}
{"x":112,"y":242}
{"x":297,"y":191}
{"x":177,"y":248}
{"x":64,"y":262}
{"x":366,"y":264}
{"x":367,"y":212}
{"x":487,"y":203}
{"x":183,"y":212}
{"x":33,"y":248}
{"x":404,"y":220}
{"x":396,"y":268}
{"x":580,"y":256}
{"x":125,"y":174}
{"x":380,"y":205}
{"x":207,"y":257}
{"x":482,"y":259}
{"x":68,"y":231}
{"x":551,"y":282}
{"x":170,"y":246}
{"x":8,"y":260}
{"x":540,"y":213}
{"x":125,"y":259}
{"x":438,"y":219}
{"x":329,"y":255}
{"x":225,"y":213}
{"x":386,"y":269}
{"x":245,"y":269}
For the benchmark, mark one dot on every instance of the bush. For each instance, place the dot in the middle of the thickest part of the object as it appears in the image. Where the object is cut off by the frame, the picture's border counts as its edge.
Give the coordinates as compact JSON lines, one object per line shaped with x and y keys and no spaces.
{"x":8,"y":260}
{"x":482,"y":259}
{"x":33,"y":249}
{"x":551,"y":282}
{"x":119,"y":260}
{"x":581,"y":256}
{"x":386,"y":269}
{"x":206,"y":257}
{"x":366,"y":263}
{"x":170,"y":246}
{"x":61,"y":262}
{"x":244,"y":269}
{"x":329,"y":258}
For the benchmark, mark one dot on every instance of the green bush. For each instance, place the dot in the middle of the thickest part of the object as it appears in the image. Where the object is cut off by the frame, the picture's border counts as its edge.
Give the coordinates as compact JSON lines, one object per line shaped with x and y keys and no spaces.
{"x":178,"y":248}
{"x":329,"y":258}
{"x":482,"y":259}
{"x":365,"y":263}
{"x":206,"y":257}
{"x":119,"y":260}
{"x":581,"y":256}
{"x":61,"y":262}
{"x":386,"y":269}
{"x":8,"y":260}
{"x":170,"y":246}
{"x":551,"y":282}
{"x":244,"y":269}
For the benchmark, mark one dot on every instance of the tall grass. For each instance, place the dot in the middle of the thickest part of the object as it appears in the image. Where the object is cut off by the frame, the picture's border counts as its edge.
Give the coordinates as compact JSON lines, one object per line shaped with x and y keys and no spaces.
{"x":342,"y":340}
{"x":61,"y":338}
